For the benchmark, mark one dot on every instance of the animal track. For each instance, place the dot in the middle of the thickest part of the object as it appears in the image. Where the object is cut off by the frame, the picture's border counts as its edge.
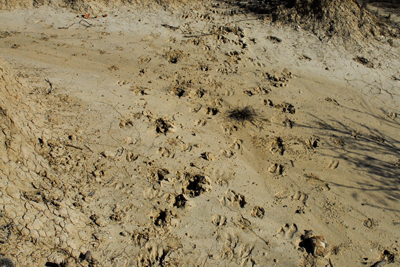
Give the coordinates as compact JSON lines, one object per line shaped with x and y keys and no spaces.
{"x":286,"y":108}
{"x":258,"y":212}
{"x":392,"y":115}
{"x":196,"y":107}
{"x":157,"y":175}
{"x":140,"y":90}
{"x":228,"y":153}
{"x":162,"y":126}
{"x":165,"y":152}
{"x":276,"y":168}
{"x":229,"y":129}
{"x":287,"y":231}
{"x":242,"y":222}
{"x":237,"y":144}
{"x":233,"y":198}
{"x":200,"y":122}
{"x":219,"y":220}
{"x":161,"y":218}
{"x":237,"y":251}
{"x":121,"y":83}
{"x":195,"y":185}
{"x":288,"y":123}
{"x":277,"y":145}
{"x":178,"y":201}
{"x":222,"y":181}
{"x":152,"y":254}
{"x":229,"y":93}
{"x":316,"y":182}
{"x":300,"y":196}
{"x":278,"y":80}
{"x":207,"y":156}
{"x":296,"y":196}
{"x":211,"y":111}
{"x":333,"y":164}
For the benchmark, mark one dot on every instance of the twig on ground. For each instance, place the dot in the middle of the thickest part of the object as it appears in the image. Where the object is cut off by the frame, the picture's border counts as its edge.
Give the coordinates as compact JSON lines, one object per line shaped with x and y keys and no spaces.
{"x":196,"y":36}
{"x":88,"y":25}
{"x":76,"y":147}
{"x":89,"y":148}
{"x":51,"y":86}
{"x":170,"y":27}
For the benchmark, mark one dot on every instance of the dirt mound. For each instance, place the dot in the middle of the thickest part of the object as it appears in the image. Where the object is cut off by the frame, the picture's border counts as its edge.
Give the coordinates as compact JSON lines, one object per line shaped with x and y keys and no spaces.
{"x":347,"y":19}
{"x":83,"y":5}
{"x":351,"y":20}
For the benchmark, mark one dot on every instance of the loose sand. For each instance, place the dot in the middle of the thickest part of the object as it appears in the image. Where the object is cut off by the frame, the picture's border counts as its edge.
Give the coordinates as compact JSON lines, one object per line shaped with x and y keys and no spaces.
{"x":121,"y":144}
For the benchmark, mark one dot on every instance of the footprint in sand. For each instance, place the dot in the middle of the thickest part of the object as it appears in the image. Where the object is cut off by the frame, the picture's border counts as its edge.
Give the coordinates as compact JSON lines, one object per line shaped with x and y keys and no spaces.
{"x":258,"y":212}
{"x":228,"y":153}
{"x":219,"y":220}
{"x":237,"y":144}
{"x":333,"y":164}
{"x":165,"y":152}
{"x":229,"y":93}
{"x":287,"y":231}
{"x":294,"y":196}
{"x":276,"y":169}
{"x":200,"y":122}
{"x":233,"y":198}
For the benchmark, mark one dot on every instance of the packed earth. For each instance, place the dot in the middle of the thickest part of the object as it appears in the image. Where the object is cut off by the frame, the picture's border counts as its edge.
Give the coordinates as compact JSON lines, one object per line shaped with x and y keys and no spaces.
{"x":199,"y":133}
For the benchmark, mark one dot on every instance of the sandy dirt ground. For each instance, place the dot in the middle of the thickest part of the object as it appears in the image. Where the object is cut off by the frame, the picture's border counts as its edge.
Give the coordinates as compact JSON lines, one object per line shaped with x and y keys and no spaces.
{"x":195,"y":136}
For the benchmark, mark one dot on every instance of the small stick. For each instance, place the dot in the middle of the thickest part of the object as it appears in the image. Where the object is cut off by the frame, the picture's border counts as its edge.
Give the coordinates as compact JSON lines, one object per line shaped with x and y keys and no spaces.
{"x":89,"y":148}
{"x":112,"y":179}
{"x":76,"y":147}
{"x":66,"y":28}
{"x":170,"y":27}
{"x":86,"y":26}
{"x":51,"y":86}
{"x":195,"y":36}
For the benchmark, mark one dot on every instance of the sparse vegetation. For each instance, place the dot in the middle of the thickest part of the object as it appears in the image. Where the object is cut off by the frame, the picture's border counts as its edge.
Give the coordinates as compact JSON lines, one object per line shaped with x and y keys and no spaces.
{"x":244,"y":114}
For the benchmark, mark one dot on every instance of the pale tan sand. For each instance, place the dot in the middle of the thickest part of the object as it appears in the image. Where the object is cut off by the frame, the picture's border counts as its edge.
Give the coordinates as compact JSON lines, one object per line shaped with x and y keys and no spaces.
{"x":117,"y":148}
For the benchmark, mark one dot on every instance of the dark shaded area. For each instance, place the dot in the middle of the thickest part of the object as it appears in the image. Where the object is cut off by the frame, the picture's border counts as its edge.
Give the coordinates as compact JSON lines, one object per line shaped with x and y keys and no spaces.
{"x":307,"y":242}
{"x":347,"y":19}
{"x":180,"y":201}
{"x":6,"y":262}
{"x":370,"y":150}
{"x":195,"y":185}
{"x":51,"y":264}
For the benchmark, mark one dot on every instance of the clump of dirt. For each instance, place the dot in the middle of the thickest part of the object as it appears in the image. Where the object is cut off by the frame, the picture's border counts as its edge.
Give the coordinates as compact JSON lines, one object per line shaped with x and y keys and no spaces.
{"x":174,"y":56}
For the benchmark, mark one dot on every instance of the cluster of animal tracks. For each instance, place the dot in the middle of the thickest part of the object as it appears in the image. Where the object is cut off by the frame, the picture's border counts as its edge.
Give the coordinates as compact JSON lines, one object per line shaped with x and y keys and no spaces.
{"x":141,"y":164}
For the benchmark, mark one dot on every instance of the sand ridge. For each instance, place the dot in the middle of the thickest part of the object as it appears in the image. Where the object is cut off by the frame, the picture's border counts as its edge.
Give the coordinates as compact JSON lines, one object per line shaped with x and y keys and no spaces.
{"x":138,"y":164}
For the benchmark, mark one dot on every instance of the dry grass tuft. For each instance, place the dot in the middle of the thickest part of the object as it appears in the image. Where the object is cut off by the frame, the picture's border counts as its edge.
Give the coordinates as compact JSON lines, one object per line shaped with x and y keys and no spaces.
{"x":244,"y":114}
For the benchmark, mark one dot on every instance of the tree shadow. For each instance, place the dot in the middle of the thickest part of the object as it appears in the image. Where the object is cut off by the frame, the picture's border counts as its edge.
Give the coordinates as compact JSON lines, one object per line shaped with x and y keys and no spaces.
{"x":372,"y":152}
